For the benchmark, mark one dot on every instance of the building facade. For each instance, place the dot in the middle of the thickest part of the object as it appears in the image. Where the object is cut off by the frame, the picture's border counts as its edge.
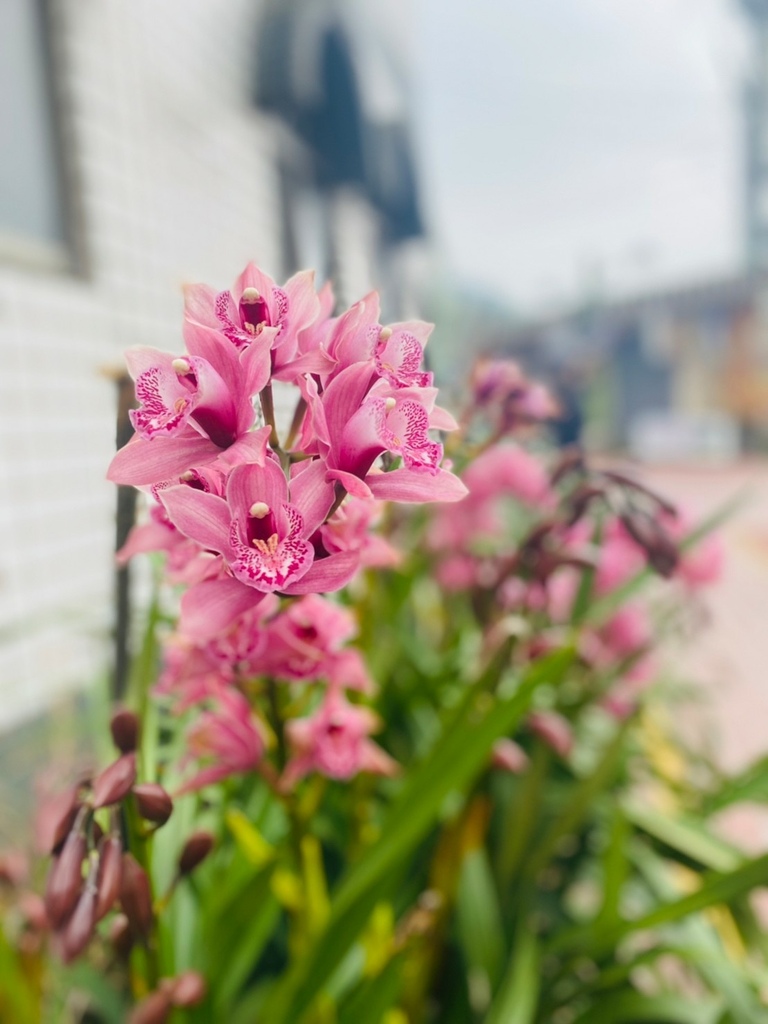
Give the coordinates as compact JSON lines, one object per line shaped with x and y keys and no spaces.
{"x":141,"y":155}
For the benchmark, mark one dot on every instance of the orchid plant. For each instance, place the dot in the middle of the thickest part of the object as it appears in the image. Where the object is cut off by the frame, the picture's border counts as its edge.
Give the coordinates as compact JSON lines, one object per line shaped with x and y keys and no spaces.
{"x":501,"y":847}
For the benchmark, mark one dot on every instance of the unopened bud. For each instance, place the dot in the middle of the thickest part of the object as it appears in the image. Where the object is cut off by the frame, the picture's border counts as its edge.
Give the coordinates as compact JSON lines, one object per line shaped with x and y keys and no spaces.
{"x":115,"y":782}
{"x":135,"y":896}
{"x":554,"y":730}
{"x":154,"y":1009}
{"x":188,"y":989}
{"x":196,"y":849}
{"x":509,"y":757}
{"x":79,"y":928}
{"x":62,"y":820}
{"x":153,"y":802}
{"x":65,"y":880}
{"x":125,"y":730}
{"x":108,"y":877}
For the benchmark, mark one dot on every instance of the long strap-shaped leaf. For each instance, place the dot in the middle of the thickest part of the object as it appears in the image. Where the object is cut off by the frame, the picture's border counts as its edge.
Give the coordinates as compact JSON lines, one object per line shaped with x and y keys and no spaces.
{"x":458,"y":756}
{"x":717,"y":888}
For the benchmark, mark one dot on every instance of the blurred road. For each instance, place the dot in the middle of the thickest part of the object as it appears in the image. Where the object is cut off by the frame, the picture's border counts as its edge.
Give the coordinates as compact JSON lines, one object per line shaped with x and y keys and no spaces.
{"x":730,"y":657}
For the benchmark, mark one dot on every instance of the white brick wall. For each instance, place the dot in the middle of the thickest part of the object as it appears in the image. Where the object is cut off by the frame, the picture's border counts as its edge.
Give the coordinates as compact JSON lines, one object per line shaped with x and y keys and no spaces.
{"x":175,"y":179}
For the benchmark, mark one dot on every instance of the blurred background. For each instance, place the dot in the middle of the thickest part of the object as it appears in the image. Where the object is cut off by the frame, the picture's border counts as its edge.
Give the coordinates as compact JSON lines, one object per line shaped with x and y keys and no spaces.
{"x":578,"y":184}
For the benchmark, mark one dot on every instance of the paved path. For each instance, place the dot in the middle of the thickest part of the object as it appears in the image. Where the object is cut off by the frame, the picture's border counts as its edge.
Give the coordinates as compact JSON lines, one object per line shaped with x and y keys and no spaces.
{"x":730,"y":657}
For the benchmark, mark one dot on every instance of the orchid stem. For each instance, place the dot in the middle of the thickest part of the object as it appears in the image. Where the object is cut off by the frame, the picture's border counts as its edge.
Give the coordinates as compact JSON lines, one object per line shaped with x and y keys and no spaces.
{"x":298,"y":419}
{"x":268,"y":408}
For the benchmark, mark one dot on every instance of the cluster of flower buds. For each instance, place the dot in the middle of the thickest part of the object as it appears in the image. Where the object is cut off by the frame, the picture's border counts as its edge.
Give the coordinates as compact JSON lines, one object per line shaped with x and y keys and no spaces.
{"x":525,"y":537}
{"x":257,"y":523}
{"x":91,"y":873}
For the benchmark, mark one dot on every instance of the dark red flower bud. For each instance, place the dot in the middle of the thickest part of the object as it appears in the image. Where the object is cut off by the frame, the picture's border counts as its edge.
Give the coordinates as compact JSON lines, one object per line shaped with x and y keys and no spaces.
{"x":154,"y":1009}
{"x":196,"y":849}
{"x":79,"y":928}
{"x":661,"y":551}
{"x":65,"y":879}
{"x":62,"y":818}
{"x":108,"y":877}
{"x":153,"y":802}
{"x":120,"y":935}
{"x":188,"y":989}
{"x":115,"y":782}
{"x":135,"y":896}
{"x":125,"y":730}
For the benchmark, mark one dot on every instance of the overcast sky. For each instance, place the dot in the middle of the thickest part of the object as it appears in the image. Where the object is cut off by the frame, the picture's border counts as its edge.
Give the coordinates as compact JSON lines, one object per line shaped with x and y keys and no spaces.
{"x":569,"y":146}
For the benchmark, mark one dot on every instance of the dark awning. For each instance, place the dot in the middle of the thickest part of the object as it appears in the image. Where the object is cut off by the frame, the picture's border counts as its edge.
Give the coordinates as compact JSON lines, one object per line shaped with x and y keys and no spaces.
{"x":330,"y":76}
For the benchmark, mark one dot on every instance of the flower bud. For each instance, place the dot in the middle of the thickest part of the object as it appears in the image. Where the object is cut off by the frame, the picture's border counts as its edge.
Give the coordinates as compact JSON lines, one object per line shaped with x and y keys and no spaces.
{"x":553,"y":729}
{"x":196,"y":849}
{"x":188,"y":989}
{"x":108,"y":877}
{"x":135,"y":896}
{"x":115,"y":782}
{"x":153,"y":802}
{"x":60,"y":821}
{"x":79,"y":928}
{"x":509,"y":756}
{"x":154,"y":1009}
{"x":125,"y":730}
{"x":65,"y":880}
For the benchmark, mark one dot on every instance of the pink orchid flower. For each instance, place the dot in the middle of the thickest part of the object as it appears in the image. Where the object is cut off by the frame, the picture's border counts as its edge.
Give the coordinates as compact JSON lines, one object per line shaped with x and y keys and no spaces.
{"x":229,"y":740}
{"x":194,"y":410}
{"x":506,"y":469}
{"x":303,"y":636}
{"x":352,"y":424}
{"x":257,"y":312}
{"x":261,"y":529}
{"x":334,"y":741}
{"x":349,"y":529}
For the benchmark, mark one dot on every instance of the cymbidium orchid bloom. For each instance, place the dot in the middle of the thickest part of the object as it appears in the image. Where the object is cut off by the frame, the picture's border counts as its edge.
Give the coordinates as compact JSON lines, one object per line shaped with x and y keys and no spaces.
{"x":194,"y":411}
{"x":352,"y":423}
{"x":228,"y":740}
{"x":335,"y":742}
{"x":261,"y":530}
{"x":259,"y":314}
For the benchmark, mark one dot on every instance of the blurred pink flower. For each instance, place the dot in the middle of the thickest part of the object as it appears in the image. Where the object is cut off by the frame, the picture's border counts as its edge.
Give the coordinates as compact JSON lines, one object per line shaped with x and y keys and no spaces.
{"x":334,"y":741}
{"x":228,"y":740}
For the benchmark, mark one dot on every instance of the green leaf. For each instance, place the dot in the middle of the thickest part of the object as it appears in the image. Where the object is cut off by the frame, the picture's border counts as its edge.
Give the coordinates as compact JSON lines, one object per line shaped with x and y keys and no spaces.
{"x":237,"y":934}
{"x":751,"y":784}
{"x":455,"y":760}
{"x":579,"y":800}
{"x":595,"y":940}
{"x":479,"y":922}
{"x":633,"y":1008}
{"x":518,"y":994}
{"x":370,"y":1001}
{"x":685,"y":835}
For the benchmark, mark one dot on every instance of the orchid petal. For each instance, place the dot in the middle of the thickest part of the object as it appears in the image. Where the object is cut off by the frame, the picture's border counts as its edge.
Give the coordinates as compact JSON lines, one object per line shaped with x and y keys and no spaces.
{"x":201,"y":516}
{"x":327,"y":574}
{"x":251,"y":483}
{"x":144,"y":461}
{"x":352,"y":484}
{"x":208,"y":608}
{"x":405,"y":485}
